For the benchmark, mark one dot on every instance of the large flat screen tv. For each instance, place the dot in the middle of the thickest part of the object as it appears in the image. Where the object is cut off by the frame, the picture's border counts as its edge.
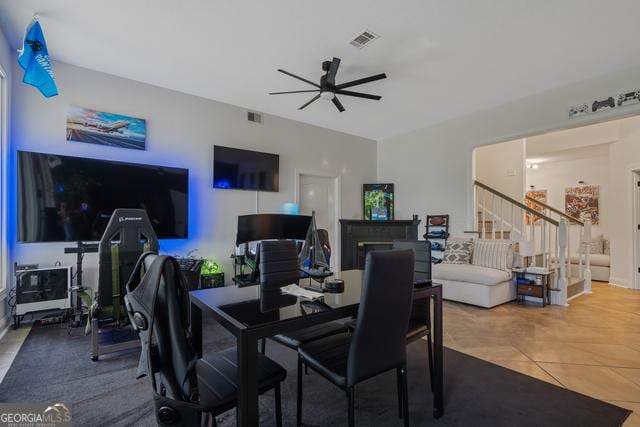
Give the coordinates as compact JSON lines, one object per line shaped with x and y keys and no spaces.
{"x":63,"y":198}
{"x":245,"y":170}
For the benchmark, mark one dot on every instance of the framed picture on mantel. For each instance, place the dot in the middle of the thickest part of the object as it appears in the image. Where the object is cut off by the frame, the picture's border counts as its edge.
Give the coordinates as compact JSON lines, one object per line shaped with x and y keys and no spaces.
{"x":377,"y":202}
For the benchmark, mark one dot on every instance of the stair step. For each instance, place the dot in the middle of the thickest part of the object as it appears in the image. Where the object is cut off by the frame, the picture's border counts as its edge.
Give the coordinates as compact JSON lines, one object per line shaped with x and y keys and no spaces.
{"x":575,"y":285}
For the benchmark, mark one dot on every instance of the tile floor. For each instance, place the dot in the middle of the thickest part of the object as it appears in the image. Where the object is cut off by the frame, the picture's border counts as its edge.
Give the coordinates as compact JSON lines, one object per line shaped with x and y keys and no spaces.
{"x":592,"y":346}
{"x":9,"y":346}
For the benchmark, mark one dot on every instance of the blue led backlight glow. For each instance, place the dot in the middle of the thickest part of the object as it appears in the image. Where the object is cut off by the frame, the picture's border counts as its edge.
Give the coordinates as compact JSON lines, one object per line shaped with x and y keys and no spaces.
{"x":291,"y":208}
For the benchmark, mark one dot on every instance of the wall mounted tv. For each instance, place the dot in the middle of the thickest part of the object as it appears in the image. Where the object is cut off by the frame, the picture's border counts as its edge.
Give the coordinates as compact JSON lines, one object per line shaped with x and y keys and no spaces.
{"x":63,"y":198}
{"x":238,"y":169}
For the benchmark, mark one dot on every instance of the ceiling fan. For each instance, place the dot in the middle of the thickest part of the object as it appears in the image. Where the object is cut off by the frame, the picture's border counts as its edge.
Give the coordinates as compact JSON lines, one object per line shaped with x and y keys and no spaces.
{"x":328,"y":89}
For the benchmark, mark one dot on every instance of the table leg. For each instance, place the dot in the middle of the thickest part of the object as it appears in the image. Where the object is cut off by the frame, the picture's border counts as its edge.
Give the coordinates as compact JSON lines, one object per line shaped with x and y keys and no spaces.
{"x":438,"y":383}
{"x":196,"y":329}
{"x":247,"y":409}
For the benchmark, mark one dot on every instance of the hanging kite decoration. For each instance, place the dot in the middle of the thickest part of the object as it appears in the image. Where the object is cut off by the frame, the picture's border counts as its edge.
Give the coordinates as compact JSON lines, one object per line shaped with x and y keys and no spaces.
{"x":34,"y":60}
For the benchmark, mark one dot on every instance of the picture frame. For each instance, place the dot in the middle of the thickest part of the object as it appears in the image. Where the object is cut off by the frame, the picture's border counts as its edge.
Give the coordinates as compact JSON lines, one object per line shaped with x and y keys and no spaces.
{"x":378,"y":202}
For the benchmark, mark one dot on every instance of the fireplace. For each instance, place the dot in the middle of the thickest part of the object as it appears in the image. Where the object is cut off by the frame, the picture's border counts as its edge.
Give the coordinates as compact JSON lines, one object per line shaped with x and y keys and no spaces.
{"x":359,"y":237}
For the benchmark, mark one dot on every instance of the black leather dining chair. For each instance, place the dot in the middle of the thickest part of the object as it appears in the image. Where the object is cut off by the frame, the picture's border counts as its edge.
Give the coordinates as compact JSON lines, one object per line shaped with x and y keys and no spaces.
{"x":187,"y":390}
{"x":279,"y":267}
{"x":378,"y":343}
{"x":420,"y":320}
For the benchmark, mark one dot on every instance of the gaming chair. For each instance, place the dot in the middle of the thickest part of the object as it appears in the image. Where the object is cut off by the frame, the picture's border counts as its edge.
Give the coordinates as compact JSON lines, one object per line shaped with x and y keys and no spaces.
{"x":187,"y":390}
{"x":127,"y":236}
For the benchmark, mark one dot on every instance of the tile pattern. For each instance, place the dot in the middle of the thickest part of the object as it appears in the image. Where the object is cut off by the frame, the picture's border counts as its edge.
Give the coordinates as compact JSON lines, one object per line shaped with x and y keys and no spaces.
{"x":9,"y":346}
{"x":591,"y":347}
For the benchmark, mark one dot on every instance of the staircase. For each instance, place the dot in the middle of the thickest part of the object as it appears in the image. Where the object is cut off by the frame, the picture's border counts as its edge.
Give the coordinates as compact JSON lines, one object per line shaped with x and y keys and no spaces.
{"x":555,"y":236}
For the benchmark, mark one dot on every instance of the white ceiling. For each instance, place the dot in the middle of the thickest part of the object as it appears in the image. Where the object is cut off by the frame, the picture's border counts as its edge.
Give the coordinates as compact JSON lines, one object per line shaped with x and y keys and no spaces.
{"x":443,"y":58}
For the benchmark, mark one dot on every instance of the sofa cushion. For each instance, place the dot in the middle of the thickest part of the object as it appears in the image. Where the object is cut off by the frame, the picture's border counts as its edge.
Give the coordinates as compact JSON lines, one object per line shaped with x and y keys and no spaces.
{"x":496,"y":254}
{"x":596,"y":245}
{"x":458,"y":252}
{"x":469,"y":273}
{"x":597,"y":259}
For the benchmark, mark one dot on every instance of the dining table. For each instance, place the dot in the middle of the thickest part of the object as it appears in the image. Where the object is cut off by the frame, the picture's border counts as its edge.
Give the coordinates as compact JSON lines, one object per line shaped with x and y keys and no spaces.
{"x":252,"y":313}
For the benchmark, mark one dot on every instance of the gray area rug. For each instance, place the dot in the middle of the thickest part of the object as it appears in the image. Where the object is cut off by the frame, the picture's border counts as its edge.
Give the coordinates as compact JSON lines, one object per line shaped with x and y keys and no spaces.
{"x":55,"y":367}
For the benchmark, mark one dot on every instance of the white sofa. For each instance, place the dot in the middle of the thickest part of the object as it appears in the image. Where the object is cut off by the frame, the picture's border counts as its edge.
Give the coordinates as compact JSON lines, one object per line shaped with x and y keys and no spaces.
{"x":600,"y":266}
{"x":472,"y":284}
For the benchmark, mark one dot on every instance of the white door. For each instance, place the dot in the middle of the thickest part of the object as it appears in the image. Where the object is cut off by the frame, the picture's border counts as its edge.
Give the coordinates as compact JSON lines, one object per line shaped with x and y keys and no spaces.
{"x":318,"y":194}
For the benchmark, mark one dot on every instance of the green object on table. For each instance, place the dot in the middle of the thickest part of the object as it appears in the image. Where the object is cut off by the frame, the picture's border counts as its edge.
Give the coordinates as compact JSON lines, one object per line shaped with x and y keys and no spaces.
{"x":209,"y":267}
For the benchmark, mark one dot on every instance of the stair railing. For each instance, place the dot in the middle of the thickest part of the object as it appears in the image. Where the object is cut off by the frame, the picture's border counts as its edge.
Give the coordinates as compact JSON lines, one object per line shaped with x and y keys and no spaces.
{"x":522,"y":222}
{"x":581,"y":229}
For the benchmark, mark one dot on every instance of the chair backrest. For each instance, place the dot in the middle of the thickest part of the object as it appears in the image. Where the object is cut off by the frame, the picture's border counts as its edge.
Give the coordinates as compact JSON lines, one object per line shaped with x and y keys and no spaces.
{"x":158,"y":306}
{"x":379,"y":339}
{"x":279,"y":264}
{"x":127,"y":236}
{"x":420,"y":309}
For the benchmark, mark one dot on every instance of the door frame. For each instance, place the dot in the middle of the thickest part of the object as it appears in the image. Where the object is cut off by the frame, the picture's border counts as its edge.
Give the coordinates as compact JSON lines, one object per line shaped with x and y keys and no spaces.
{"x":337,"y":182}
{"x":635,"y":220}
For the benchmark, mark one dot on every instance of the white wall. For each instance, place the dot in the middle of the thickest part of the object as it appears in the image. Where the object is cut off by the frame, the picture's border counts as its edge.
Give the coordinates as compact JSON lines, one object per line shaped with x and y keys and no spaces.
{"x":624,"y":157}
{"x":432,"y":167}
{"x":6,"y":57}
{"x":545,"y":144}
{"x":556,"y":176}
{"x":502,"y":167}
{"x":181,"y":132}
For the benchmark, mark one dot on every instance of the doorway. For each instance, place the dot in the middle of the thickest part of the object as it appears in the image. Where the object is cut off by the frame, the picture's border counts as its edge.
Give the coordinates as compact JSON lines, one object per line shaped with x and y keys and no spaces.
{"x":636,"y":229}
{"x":321,"y":194}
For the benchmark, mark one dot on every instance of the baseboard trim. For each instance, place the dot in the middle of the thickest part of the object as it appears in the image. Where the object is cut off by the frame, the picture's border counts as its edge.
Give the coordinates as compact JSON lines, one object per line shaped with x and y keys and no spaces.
{"x":575,"y":296}
{"x":616,"y":281}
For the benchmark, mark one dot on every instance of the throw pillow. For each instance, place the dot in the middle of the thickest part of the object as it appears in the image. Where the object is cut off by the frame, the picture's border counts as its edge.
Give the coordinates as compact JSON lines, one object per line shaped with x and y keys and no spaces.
{"x":496,"y":254}
{"x":457,"y":251}
{"x":596,"y":246}
{"x":606,"y":247}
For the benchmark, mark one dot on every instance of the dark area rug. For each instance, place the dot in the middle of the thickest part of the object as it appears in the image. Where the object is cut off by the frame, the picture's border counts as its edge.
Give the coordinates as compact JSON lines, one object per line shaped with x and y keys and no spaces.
{"x":55,"y":367}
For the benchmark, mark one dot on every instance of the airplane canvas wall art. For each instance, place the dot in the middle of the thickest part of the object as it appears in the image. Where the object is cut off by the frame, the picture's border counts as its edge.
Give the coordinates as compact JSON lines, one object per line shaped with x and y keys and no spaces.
{"x":97,"y":127}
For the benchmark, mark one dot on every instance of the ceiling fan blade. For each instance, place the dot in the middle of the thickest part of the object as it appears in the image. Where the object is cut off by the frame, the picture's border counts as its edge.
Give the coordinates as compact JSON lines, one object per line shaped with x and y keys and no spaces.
{"x":333,"y":70}
{"x":358,"y":94}
{"x":312,"y":99}
{"x":299,"y":78}
{"x":362,"y":81}
{"x":338,"y":104}
{"x":294,"y":91}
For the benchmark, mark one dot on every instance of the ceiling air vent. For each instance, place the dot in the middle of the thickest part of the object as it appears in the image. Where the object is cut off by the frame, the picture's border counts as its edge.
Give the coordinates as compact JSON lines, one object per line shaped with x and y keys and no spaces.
{"x":254,"y":117}
{"x":362,"y":40}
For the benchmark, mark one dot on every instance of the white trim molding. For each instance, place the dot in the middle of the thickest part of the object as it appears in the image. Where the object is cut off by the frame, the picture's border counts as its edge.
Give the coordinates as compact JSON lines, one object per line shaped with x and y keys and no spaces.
{"x":616,"y":281}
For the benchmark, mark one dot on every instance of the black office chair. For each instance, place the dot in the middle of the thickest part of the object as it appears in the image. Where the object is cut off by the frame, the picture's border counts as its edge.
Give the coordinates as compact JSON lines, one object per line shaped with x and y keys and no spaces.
{"x":279,"y":266}
{"x":379,"y":342}
{"x":420,"y":320}
{"x":190,"y":391}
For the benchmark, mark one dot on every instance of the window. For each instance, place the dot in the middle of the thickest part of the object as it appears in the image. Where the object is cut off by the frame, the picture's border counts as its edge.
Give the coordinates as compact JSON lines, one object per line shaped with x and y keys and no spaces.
{"x":3,"y":182}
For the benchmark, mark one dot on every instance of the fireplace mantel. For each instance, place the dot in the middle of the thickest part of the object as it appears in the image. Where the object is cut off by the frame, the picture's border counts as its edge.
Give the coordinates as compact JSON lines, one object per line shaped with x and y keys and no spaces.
{"x":358,"y":236}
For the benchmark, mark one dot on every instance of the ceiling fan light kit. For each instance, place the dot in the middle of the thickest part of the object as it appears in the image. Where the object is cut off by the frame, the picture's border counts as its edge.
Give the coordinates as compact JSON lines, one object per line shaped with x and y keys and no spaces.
{"x":327,"y":89}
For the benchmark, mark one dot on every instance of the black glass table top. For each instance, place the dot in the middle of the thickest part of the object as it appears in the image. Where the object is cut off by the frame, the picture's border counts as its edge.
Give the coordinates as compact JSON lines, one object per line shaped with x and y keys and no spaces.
{"x":256,"y":306}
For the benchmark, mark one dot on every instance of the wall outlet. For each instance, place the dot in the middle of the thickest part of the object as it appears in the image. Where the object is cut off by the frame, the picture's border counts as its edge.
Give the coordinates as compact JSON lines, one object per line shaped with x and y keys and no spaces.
{"x":511,"y":172}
